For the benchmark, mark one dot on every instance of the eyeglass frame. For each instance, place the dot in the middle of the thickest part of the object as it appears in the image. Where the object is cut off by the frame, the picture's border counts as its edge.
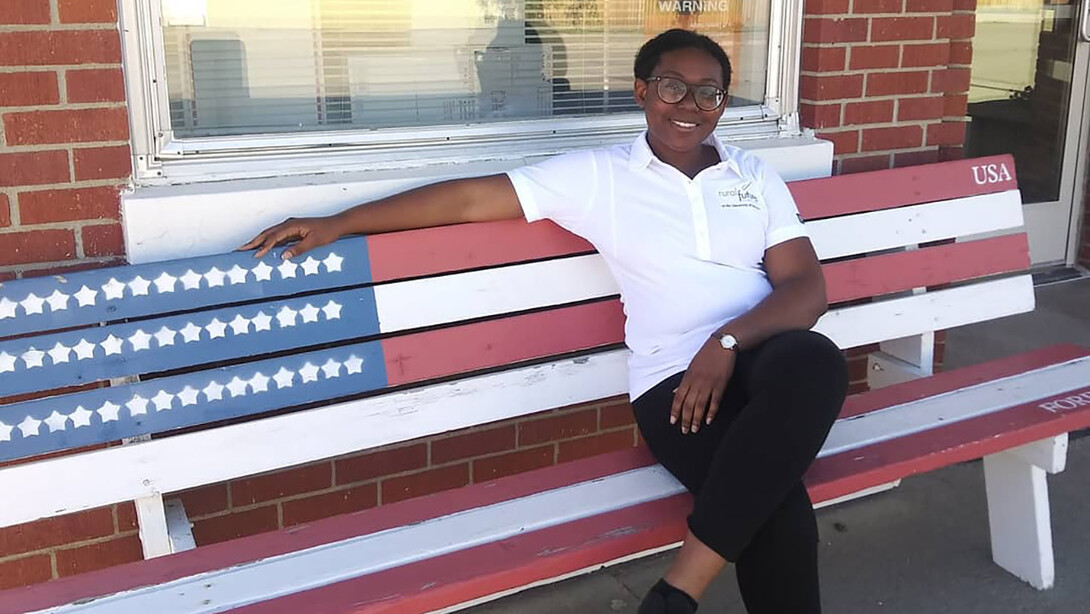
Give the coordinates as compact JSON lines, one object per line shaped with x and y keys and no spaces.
{"x":690,"y":88}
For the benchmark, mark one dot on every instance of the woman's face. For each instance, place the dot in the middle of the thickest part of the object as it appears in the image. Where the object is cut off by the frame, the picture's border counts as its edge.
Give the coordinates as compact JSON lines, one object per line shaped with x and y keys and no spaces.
{"x":681,"y":127}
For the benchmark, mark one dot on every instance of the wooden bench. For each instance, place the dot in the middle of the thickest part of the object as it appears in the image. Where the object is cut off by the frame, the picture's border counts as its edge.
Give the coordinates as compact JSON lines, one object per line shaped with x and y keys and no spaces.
{"x":377,"y":340}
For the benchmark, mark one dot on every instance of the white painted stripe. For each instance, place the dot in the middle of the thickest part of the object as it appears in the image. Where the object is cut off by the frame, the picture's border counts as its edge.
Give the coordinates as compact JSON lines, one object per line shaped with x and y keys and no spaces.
{"x":881,"y":230}
{"x":920,"y":313}
{"x":102,"y":477}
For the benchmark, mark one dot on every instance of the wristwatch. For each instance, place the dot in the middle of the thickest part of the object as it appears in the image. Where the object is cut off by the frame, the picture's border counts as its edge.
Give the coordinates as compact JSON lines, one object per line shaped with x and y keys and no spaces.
{"x":728,"y":341}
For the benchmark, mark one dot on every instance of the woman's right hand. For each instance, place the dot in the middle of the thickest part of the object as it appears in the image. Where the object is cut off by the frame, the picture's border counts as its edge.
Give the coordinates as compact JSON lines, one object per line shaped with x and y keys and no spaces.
{"x":309,"y":232}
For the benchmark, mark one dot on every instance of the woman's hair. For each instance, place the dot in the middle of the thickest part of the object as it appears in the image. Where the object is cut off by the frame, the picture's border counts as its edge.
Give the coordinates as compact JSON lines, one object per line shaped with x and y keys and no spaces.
{"x":672,"y":40}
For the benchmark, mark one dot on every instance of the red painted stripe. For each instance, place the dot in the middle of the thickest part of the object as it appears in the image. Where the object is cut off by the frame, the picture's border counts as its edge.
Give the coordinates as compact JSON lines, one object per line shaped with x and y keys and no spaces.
{"x":494,"y":343}
{"x":932,"y":266}
{"x":429,"y":251}
{"x":844,"y":194}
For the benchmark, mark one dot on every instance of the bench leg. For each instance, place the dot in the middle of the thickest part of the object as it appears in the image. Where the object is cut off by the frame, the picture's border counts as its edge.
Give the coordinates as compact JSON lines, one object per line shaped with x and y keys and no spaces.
{"x":152,"y":519}
{"x":1018,"y":510}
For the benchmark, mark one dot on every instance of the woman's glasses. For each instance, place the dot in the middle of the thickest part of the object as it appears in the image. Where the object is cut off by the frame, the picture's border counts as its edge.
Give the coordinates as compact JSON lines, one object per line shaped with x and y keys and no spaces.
{"x":673,"y":91}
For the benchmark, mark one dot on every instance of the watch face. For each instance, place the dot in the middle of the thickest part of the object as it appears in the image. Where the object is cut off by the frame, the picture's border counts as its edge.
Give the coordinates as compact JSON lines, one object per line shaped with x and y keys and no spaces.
{"x":728,"y":341}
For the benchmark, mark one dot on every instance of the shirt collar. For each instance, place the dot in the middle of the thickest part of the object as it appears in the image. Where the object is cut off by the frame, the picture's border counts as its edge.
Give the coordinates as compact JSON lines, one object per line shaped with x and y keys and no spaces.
{"x":641,"y":155}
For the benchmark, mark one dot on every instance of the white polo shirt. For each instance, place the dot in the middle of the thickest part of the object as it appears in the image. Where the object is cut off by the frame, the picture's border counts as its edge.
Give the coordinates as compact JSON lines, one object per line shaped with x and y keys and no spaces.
{"x":686,"y":253}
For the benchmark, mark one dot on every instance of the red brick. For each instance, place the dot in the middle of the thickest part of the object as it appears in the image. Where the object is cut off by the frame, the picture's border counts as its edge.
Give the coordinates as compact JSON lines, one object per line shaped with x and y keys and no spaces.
{"x":864,"y":164}
{"x":826,"y":7}
{"x":896,"y":83}
{"x":204,"y":500}
{"x":493,"y":467}
{"x":868,"y":112}
{"x":820,"y":115}
{"x":843,"y":142}
{"x":102,"y":163}
{"x":874,"y":56}
{"x":381,"y":463}
{"x":915,"y":109}
{"x":45,"y":206}
{"x":832,"y":87}
{"x":929,"y":6}
{"x":424,"y":483}
{"x":902,"y":28}
{"x":69,"y":126}
{"x":87,"y":11}
{"x":947,"y":154}
{"x":24,"y":89}
{"x":95,"y":85}
{"x":915,"y":158}
{"x":946,"y":134}
{"x":595,"y":444}
{"x":59,"y":47}
{"x":24,"y":12}
{"x":329,"y":504}
{"x":74,"y":561}
{"x":477,"y":443}
{"x":33,"y":168}
{"x":102,"y":240}
{"x":234,"y":525}
{"x":126,"y":517}
{"x":956,"y":26}
{"x":951,"y":80}
{"x":870,"y":7}
{"x":896,"y":137}
{"x":5,"y":211}
{"x":965,"y":5}
{"x":823,"y":59}
{"x":36,"y":246}
{"x":559,"y":427}
{"x":612,"y":416}
{"x":961,"y":52}
{"x":25,"y":571}
{"x":270,"y":486}
{"x":839,"y":30}
{"x":857,"y":365}
{"x":933,"y":54}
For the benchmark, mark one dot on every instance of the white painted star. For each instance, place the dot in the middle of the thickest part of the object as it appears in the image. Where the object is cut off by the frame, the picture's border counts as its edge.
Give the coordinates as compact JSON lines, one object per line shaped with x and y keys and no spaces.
{"x":33,"y":358}
{"x":84,"y":349}
{"x":7,"y":362}
{"x":30,"y":426}
{"x":191,"y":280}
{"x":286,"y":316}
{"x":332,"y":310}
{"x":86,"y":296}
{"x":188,"y":396}
{"x":259,"y":382}
{"x":32,"y":304}
{"x":58,"y":301}
{"x":354,"y":364}
{"x":237,"y":275}
{"x":213,"y":391}
{"x":263,"y":272}
{"x":215,"y":328}
{"x":214,"y":277}
{"x":112,"y":345}
{"x":332,"y":263}
{"x":163,"y":400}
{"x":139,"y":286}
{"x":240,"y":325}
{"x":284,"y":378}
{"x":165,"y":282}
{"x":332,"y":368}
{"x":137,"y":405}
{"x":310,"y":266}
{"x":191,"y":332}
{"x":140,"y":340}
{"x":7,"y":308}
{"x":5,"y":432}
{"x":165,"y":336}
{"x":262,"y":321}
{"x":309,"y":373}
{"x":237,"y":386}
{"x":56,"y":421}
{"x":60,"y":353}
{"x":309,"y":313}
{"x":108,"y":412}
{"x":113,"y":289}
{"x":287,"y":269}
{"x":81,"y":417}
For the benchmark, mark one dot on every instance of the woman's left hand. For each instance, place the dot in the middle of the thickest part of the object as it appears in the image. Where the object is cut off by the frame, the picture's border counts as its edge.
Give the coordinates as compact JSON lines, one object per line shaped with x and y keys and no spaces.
{"x":696,"y":400}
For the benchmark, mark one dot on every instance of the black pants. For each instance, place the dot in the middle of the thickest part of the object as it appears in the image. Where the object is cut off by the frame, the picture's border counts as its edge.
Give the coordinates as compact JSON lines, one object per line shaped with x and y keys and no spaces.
{"x":746,"y":467}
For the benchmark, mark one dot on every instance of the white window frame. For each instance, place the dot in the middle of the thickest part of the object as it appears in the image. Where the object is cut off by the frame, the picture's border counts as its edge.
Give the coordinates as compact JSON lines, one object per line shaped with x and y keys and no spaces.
{"x":160,"y":158}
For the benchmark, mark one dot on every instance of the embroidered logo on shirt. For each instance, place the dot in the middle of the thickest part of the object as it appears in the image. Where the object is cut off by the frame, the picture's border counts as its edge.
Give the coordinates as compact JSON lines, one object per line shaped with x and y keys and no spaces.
{"x":738,"y":196}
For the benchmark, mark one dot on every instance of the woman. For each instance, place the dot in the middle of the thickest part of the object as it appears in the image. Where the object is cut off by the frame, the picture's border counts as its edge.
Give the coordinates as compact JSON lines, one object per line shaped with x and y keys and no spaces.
{"x":719,"y":283}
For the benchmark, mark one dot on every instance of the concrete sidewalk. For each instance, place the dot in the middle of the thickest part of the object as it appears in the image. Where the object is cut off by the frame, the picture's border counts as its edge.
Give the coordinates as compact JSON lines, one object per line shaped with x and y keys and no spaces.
{"x":921,"y":548}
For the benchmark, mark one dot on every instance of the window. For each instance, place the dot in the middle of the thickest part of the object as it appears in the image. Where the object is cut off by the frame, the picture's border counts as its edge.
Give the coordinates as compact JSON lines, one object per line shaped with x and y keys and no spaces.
{"x":235,"y":80}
